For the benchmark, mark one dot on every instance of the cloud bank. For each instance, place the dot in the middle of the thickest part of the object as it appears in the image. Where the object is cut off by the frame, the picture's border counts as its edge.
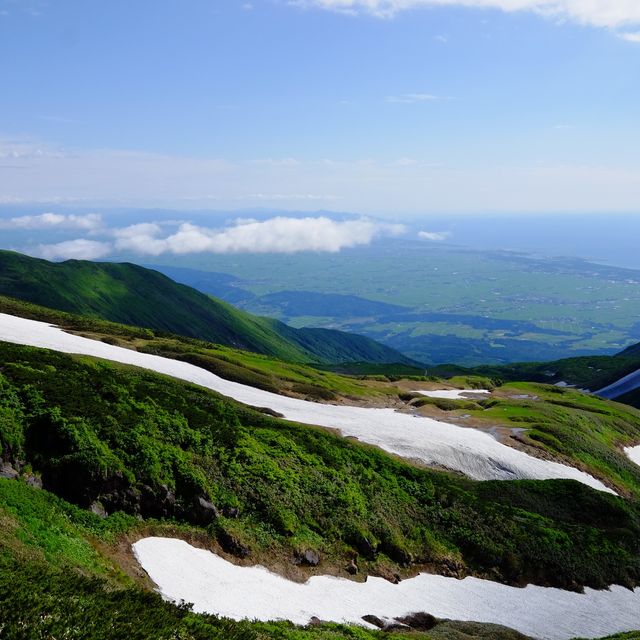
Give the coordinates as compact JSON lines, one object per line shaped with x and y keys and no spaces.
{"x":599,"y":13}
{"x":80,"y":249}
{"x":275,"y":235}
{"x":88,"y":222}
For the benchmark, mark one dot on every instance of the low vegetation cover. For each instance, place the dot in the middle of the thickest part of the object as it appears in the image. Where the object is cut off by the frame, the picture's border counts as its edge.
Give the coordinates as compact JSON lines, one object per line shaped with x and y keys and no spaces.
{"x":586,"y":372}
{"x":119,"y":439}
{"x":246,"y":367}
{"x":572,"y":426}
{"x":123,"y":452}
{"x":59,"y":579}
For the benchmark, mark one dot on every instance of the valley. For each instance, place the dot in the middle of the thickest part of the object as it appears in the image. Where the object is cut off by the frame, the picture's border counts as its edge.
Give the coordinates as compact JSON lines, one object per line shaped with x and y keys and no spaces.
{"x":436,"y":304}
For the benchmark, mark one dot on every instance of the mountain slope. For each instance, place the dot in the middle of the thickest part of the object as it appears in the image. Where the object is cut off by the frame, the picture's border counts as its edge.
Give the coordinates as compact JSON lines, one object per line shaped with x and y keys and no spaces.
{"x":137,"y":296}
{"x":594,"y":373}
{"x":117,"y":439}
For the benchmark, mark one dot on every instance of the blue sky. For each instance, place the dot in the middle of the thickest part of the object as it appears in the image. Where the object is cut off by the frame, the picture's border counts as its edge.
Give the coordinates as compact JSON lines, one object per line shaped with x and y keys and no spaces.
{"x":385,"y":107}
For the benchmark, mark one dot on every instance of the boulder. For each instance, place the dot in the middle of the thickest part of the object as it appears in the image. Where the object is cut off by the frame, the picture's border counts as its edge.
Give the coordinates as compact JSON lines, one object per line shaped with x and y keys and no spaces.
{"x":7,"y":471}
{"x":97,"y":508}
{"x":232,"y":545}
{"x":419,"y":621}
{"x":308,"y":557}
{"x":204,"y":512}
{"x":34,"y":481}
{"x":352,"y":568}
{"x":375,"y":621}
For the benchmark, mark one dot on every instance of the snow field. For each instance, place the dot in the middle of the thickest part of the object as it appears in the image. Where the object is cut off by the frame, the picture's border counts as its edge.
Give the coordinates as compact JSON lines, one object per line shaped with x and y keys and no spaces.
{"x":474,"y":453}
{"x":214,"y":585}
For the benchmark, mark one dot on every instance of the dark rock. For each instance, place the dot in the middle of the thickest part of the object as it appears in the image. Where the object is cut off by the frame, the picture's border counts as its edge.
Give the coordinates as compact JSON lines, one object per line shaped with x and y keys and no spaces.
{"x":34,"y":481}
{"x":204,"y":512}
{"x":352,"y":568}
{"x":97,"y":508}
{"x":121,"y":499}
{"x":308,"y":557}
{"x":396,"y":626}
{"x":419,"y":621}
{"x":374,"y":620}
{"x":232,"y":545}
{"x":452,"y":569}
{"x":269,"y":412}
{"x":366,"y":548}
{"x":231,"y":512}
{"x":158,"y":502}
{"x":7,"y":471}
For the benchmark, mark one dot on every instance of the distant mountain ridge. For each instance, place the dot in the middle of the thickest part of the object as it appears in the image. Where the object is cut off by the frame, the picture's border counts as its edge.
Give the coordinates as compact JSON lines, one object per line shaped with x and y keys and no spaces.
{"x":134,"y":295}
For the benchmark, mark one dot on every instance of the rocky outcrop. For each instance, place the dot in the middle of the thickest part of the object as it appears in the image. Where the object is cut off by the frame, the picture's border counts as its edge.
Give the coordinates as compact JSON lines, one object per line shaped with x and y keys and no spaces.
{"x":308,"y":558}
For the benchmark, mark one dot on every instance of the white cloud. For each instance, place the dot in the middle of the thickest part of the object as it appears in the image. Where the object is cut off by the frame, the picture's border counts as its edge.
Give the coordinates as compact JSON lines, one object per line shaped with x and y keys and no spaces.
{"x":80,"y":249}
{"x":630,"y":36}
{"x":412,"y":98}
{"x":434,"y":236}
{"x":600,"y":13}
{"x":276,"y":235}
{"x":89,"y":222}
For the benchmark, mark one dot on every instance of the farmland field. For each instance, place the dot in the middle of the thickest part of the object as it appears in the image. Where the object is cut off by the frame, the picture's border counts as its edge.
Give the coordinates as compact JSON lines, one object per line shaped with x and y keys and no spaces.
{"x":436,"y":304}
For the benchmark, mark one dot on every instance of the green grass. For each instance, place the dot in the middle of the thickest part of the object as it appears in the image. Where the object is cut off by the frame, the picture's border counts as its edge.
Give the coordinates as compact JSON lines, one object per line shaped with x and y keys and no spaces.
{"x":48,"y":589}
{"x":127,"y":439}
{"x":242,"y":366}
{"x":580,"y":429}
{"x":587,"y":372}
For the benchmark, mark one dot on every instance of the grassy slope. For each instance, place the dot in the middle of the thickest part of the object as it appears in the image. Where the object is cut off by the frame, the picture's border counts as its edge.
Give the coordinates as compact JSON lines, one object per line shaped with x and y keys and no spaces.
{"x":131,"y":439}
{"x":134,"y":295}
{"x":589,"y":434}
{"x":583,"y":430}
{"x":585,"y":372}
{"x":254,"y":369}
{"x":59,"y":577}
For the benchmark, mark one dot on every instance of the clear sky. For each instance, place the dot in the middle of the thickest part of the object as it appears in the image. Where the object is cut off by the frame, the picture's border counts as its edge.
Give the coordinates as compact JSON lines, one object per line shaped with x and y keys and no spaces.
{"x":392,"y":107}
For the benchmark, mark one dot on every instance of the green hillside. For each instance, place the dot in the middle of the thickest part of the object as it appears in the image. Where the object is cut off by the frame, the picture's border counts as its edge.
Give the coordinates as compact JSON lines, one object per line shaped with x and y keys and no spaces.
{"x":254,"y":369}
{"x":137,"y":296}
{"x":142,"y":450}
{"x":584,"y":372}
{"x":125,"y":441}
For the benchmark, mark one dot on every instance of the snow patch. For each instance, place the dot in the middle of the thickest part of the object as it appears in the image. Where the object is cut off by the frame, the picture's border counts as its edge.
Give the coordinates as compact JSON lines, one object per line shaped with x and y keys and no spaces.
{"x":213,"y":585}
{"x":476,"y":454}
{"x":451,"y":394}
{"x":633,"y":453}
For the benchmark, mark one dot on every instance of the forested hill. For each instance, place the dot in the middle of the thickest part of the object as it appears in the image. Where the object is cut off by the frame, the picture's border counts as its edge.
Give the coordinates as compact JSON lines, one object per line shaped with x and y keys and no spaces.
{"x":133,"y":295}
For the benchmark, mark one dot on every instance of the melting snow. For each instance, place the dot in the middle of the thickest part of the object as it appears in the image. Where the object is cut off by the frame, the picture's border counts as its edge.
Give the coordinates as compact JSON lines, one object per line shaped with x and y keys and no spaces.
{"x":451,"y":394}
{"x":474,"y":453}
{"x":213,"y":585}
{"x":633,"y":453}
